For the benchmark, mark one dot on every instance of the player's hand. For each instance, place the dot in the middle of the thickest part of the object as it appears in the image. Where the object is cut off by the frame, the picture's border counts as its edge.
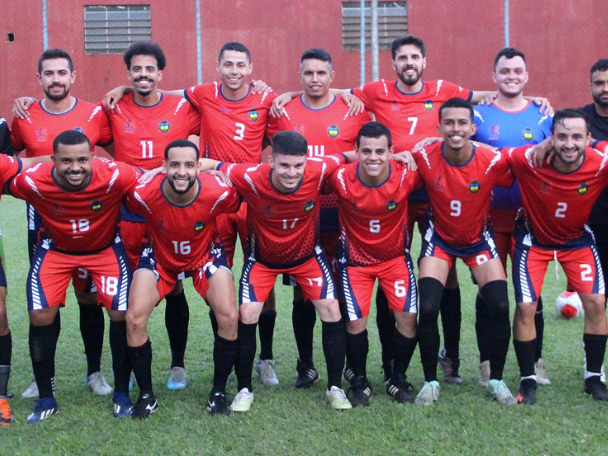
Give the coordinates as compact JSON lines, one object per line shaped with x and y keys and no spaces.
{"x":259,"y":86}
{"x":111,"y":99}
{"x":488,"y":99}
{"x":425,"y":142}
{"x":355,"y":105}
{"x":540,"y":151}
{"x":21,"y":107}
{"x":149,"y":175}
{"x":220,"y":175}
{"x":276,"y":110}
{"x":545,"y":106}
{"x":407,"y":159}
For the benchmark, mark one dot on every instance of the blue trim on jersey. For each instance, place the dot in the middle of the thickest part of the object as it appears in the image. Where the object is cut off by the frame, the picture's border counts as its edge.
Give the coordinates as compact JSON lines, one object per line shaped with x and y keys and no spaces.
{"x":317,"y":109}
{"x":160,"y":100}
{"x":458,"y":166}
{"x":234,"y":101}
{"x":162,"y":191}
{"x":279,"y":191}
{"x":61,"y":113}
{"x":71,"y":190}
{"x":390,"y":171}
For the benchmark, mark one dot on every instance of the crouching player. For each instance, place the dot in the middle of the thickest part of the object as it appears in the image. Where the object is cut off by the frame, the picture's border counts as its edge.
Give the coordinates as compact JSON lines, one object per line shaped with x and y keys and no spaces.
{"x":181,"y":209}
{"x":372,"y":204}
{"x":557,"y":201}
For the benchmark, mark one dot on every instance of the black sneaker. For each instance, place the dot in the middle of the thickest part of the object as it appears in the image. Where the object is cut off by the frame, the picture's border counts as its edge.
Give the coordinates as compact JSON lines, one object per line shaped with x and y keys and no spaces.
{"x":527,"y":392}
{"x":307,"y":375}
{"x":595,"y":387}
{"x":145,"y":405}
{"x":400,"y":390}
{"x":360,"y":392}
{"x":218,"y":404}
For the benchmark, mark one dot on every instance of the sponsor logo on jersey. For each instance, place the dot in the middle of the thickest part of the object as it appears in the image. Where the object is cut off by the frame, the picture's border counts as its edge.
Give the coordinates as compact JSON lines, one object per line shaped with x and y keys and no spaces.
{"x":474,"y":187}
{"x":428,"y":105}
{"x":582,"y":189}
{"x":309,"y":206}
{"x":528,"y":134}
{"x":391,"y":206}
{"x":129,"y":126}
{"x":198,"y":226}
{"x":79,"y":130}
{"x":394,"y":105}
{"x":254,"y":114}
{"x":41,"y":134}
{"x":494,"y":132}
{"x":333,"y":131}
{"x":164,"y":126}
{"x":161,"y":227}
{"x":544,"y":187}
{"x":300,"y":129}
{"x":96,"y":205}
{"x":437,"y":184}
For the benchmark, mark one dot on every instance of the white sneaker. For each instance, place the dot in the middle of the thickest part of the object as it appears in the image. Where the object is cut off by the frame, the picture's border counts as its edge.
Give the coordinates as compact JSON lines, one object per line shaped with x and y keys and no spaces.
{"x":242,"y":402}
{"x":541,"y":372}
{"x":98,"y":384}
{"x":337,"y":399}
{"x":268,"y":373}
{"x":429,"y":394}
{"x":177,"y":379}
{"x":31,"y":392}
{"x":499,"y":391}
{"x":484,"y":373}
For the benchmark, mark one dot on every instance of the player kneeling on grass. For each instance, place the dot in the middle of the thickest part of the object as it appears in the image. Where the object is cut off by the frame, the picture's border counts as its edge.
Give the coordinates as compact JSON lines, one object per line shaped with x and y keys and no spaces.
{"x":181,"y":209}
{"x":372,"y":205}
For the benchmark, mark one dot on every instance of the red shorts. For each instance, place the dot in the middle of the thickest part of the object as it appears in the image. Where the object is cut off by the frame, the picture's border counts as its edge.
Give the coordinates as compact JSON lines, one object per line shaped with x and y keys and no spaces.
{"x":314,"y":277}
{"x":51,"y":271}
{"x":231,"y":225}
{"x":134,"y":236}
{"x":396,"y":279}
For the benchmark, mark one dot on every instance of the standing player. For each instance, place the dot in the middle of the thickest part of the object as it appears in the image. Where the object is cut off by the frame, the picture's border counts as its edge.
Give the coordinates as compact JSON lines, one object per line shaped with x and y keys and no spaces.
{"x":79,"y":202}
{"x":557,"y":200}
{"x":459,"y":178}
{"x":56,"y":112}
{"x":322,"y":118}
{"x":181,"y":210}
{"x":372,"y":202}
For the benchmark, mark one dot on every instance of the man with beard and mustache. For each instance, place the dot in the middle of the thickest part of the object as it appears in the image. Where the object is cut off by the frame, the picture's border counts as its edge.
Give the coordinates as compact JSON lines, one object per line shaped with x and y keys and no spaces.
{"x":55,"y":113}
{"x":181,"y":209}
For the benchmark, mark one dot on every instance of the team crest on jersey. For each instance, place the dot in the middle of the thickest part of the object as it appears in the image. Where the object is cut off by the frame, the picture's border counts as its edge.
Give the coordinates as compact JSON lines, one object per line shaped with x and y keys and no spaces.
{"x":428,"y":105}
{"x":198,"y":226}
{"x":309,"y":206}
{"x":164,"y":126}
{"x":254,"y":114}
{"x":333,"y":131}
{"x":79,"y":130}
{"x":391,"y":206}
{"x":96,"y":205}
{"x":129,"y":126}
{"x":583,"y":188}
{"x":41,"y":134}
{"x":474,"y":187}
{"x":528,"y":134}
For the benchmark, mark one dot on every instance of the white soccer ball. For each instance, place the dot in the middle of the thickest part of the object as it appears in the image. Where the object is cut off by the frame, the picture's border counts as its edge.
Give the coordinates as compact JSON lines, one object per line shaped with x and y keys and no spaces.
{"x":568,"y":305}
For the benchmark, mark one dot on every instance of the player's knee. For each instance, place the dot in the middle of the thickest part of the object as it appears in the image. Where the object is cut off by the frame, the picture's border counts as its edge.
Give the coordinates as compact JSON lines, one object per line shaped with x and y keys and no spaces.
{"x":525,"y":312}
{"x":496,"y":296}
{"x":136,"y":321}
{"x":595,"y":306}
{"x":250,"y":313}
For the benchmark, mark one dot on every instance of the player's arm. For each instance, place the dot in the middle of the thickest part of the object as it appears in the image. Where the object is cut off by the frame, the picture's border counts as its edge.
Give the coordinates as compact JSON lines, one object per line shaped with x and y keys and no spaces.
{"x":599,"y":145}
{"x":5,"y":138}
{"x":21,"y":107}
{"x":483,"y":97}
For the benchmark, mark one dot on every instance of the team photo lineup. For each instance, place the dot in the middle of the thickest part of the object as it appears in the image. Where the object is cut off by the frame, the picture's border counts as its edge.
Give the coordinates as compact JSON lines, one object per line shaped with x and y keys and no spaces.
{"x":325,"y":188}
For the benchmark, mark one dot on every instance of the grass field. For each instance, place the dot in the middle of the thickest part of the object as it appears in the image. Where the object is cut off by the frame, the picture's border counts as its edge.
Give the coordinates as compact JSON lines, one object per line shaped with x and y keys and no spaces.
{"x":284,"y":420}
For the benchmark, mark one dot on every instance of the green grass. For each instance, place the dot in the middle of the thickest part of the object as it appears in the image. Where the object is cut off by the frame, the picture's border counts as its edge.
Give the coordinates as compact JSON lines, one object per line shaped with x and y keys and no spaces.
{"x":284,"y":420}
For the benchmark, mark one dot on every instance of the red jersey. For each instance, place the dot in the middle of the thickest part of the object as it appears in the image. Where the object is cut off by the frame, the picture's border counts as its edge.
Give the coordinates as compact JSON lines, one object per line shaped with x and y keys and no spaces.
{"x":409,"y":117}
{"x":233,"y":130}
{"x":182,"y":236}
{"x":460,"y":195}
{"x":373,"y":220}
{"x":9,"y":167}
{"x":37,"y":132}
{"x":141,"y":133}
{"x":83,"y":220}
{"x":283,"y":227}
{"x":556,"y":205}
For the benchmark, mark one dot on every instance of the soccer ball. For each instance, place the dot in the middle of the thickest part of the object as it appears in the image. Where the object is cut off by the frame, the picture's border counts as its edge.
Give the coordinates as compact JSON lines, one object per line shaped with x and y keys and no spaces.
{"x":569,"y":305}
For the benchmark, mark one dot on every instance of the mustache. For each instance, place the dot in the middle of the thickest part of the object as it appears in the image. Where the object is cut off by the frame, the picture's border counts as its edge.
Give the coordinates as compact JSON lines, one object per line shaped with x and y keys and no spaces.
{"x":143,"y":78}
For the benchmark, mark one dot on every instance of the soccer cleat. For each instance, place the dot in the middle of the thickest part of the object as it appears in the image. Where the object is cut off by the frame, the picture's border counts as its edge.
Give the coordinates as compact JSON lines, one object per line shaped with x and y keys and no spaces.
{"x":336,"y":398}
{"x":349,"y":374}
{"x":500,"y":393}
{"x":595,"y":387}
{"x":242,"y":402}
{"x":268,"y":373}
{"x":6,"y":414}
{"x":603,"y":372}
{"x":145,"y":405}
{"x":429,"y":394}
{"x":122,"y":405}
{"x":527,"y":392}
{"x":307,"y":376}
{"x":484,"y":373}
{"x":98,"y":384}
{"x":31,"y":392}
{"x":43,"y":409}
{"x":177,"y":379}
{"x":541,"y":372}
{"x":360,"y":392}
{"x":450,"y":375}
{"x":400,"y":390}
{"x":218,"y":404}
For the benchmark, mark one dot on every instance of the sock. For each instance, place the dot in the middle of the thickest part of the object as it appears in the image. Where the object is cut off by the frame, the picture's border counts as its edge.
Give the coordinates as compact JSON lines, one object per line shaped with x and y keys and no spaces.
{"x":57,"y":323}
{"x":497,"y":300}
{"x":595,"y":349}
{"x":524,"y":350}
{"x":141,"y":363}
{"x":304,"y":318}
{"x":357,"y":346}
{"x":386,"y":324}
{"x":451,"y":317}
{"x":224,"y":356}
{"x":213,"y":321}
{"x":177,"y":318}
{"x":334,"y":349}
{"x":430,"y":291}
{"x":482,"y":328}
{"x":120,"y":359}
{"x":266,"y":329}
{"x":92,"y":325}
{"x":245,"y":355}
{"x":6,"y":348}
{"x":404,"y":350}
{"x":539,"y":322}
{"x":43,"y":342}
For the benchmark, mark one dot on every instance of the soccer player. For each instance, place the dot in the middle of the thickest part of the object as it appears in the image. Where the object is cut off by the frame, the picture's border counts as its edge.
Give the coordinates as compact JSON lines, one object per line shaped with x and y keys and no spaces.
{"x":372,"y":202}
{"x":79,"y":202}
{"x":322,"y":118}
{"x":282,"y":220}
{"x":181,"y":209}
{"x":459,"y":178}
{"x":557,"y":201}
{"x":56,"y":112}
{"x":510,"y":121}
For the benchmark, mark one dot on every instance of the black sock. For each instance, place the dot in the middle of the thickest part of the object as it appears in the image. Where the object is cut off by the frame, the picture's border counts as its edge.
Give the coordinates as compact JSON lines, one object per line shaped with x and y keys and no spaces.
{"x":304,"y":318}
{"x":404,"y":350}
{"x":334,"y":349}
{"x":357,"y":347}
{"x":57,"y":323}
{"x":43,"y":342}
{"x":430,"y":291}
{"x":266,"y":329}
{"x":224,"y":356}
{"x":177,"y":317}
{"x":6,"y":348}
{"x":497,"y":300}
{"x":482,"y":328}
{"x":141,"y":363}
{"x":539,"y":322}
{"x":213,"y":321}
{"x":524,"y":350}
{"x":385,"y":321}
{"x":92,"y":325}
{"x":245,"y":355}
{"x":595,"y":349}
{"x":120,"y":358}
{"x":451,"y":318}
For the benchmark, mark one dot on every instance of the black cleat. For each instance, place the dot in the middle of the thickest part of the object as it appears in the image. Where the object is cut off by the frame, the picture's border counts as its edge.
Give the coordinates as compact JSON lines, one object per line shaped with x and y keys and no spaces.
{"x":400,"y":390}
{"x":218,"y":404}
{"x":527,"y":392}
{"x":360,"y":392}
{"x":348,"y":374}
{"x":595,"y":387}
{"x":145,"y":405}
{"x":307,"y":376}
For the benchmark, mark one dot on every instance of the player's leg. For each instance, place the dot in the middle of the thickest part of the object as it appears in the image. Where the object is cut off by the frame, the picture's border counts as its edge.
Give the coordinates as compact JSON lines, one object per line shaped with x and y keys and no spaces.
{"x":304,"y":318}
{"x":177,"y":319}
{"x":6,"y":348}
{"x":451,"y":318}
{"x":385,"y":321}
{"x":264,"y":364}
